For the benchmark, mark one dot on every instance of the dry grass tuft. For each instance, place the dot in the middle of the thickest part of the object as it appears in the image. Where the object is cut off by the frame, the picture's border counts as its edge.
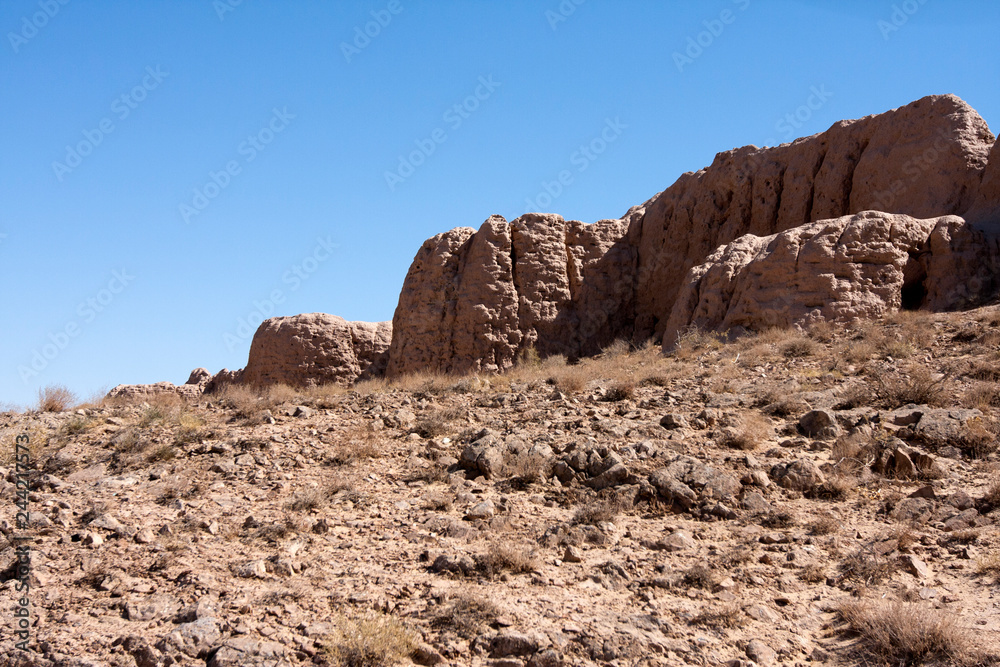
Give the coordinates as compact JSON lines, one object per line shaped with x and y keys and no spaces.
{"x":597,"y":512}
{"x":357,"y":444}
{"x":825,"y":524}
{"x":306,"y":500}
{"x":729,"y":617}
{"x":700,"y":576}
{"x":919,"y":387}
{"x":753,"y":429}
{"x":369,"y":640}
{"x":622,"y":390}
{"x":990,"y":500}
{"x":900,"y":633}
{"x":468,"y":614}
{"x":500,"y":558}
{"x":55,"y":398}
{"x":798,"y":348}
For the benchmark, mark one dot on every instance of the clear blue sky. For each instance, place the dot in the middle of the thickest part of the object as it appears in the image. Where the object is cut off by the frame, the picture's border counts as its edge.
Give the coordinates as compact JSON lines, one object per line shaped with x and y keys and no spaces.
{"x":309,"y":129}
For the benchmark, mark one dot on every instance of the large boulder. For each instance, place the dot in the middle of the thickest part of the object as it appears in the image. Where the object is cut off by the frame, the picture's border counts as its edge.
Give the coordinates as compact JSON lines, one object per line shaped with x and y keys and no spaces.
{"x":475,"y":300}
{"x":315,"y":348}
{"x":925,"y":159}
{"x":863,"y":265}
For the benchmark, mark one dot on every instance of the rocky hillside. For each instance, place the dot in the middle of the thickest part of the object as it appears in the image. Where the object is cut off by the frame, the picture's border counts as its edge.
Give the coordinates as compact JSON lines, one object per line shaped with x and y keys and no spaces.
{"x":827,"y":497}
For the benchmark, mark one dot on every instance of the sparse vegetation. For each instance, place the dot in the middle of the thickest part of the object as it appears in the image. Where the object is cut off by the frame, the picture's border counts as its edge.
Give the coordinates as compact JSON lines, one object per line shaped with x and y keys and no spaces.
{"x":369,"y":640}
{"x":900,"y":633}
{"x":502,"y":557}
{"x":55,"y":398}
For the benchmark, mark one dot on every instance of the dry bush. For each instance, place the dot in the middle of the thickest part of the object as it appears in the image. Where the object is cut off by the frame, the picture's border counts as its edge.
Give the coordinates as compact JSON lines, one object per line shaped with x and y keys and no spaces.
{"x":919,"y":387}
{"x":469,"y":615}
{"x":991,"y":499}
{"x":276,"y":394}
{"x":752,"y":430}
{"x":825,"y":524}
{"x":982,"y":395}
{"x":162,"y":454}
{"x":978,"y":439}
{"x":729,"y":617}
{"x":798,"y":347}
{"x":307,"y":499}
{"x":55,"y":398}
{"x":700,"y":576}
{"x":369,"y":640}
{"x":245,"y":402}
{"x":822,"y":331}
{"x":693,"y":341}
{"x":570,"y":379}
{"x":78,"y":425}
{"x":984,"y":370}
{"x":439,"y":423}
{"x":900,"y":633}
{"x":597,"y":512}
{"x":357,"y":444}
{"x":813,"y":573}
{"x":532,"y":467}
{"x":500,"y":558}
{"x":857,"y":352}
{"x":866,"y":566}
{"x":189,"y":428}
{"x":989,"y":564}
{"x":129,"y":441}
{"x":622,"y":390}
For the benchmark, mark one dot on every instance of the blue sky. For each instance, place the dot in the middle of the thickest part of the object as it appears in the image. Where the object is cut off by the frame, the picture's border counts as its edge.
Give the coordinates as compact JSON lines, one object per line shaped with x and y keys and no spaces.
{"x":172,"y":171}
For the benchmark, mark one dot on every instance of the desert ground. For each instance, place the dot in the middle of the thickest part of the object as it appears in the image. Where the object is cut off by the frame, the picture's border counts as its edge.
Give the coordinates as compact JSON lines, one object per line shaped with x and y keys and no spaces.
{"x":790,"y":497}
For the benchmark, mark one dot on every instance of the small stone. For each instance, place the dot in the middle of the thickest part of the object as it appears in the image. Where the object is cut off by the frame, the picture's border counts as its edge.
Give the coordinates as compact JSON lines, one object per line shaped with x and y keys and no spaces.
{"x":302,"y":411}
{"x":572,"y":555}
{"x":914,"y":566}
{"x":145,"y":536}
{"x":672,"y":421}
{"x":678,"y":540}
{"x":92,"y":539}
{"x":761,"y":653}
{"x":483,"y":510}
{"x":923,"y":492}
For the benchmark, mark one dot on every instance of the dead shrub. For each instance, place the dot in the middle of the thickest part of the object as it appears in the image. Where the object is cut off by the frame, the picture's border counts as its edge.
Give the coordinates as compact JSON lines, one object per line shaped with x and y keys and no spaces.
{"x":901,"y":633}
{"x":306,"y":500}
{"x":779,"y":519}
{"x":990,"y":500}
{"x":369,"y":640}
{"x":622,"y":390}
{"x":468,"y":615}
{"x":500,"y":558}
{"x":357,"y":444}
{"x":797,"y":348}
{"x":919,"y":387}
{"x":752,"y":430}
{"x":597,"y":512}
{"x":246,"y":403}
{"x":825,"y":524}
{"x":866,"y":566}
{"x":693,"y":341}
{"x":162,"y":454}
{"x":729,"y":617}
{"x":982,"y":395}
{"x":855,"y":396}
{"x":813,"y":573}
{"x":989,"y":564}
{"x":55,"y":398}
{"x":700,"y":576}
